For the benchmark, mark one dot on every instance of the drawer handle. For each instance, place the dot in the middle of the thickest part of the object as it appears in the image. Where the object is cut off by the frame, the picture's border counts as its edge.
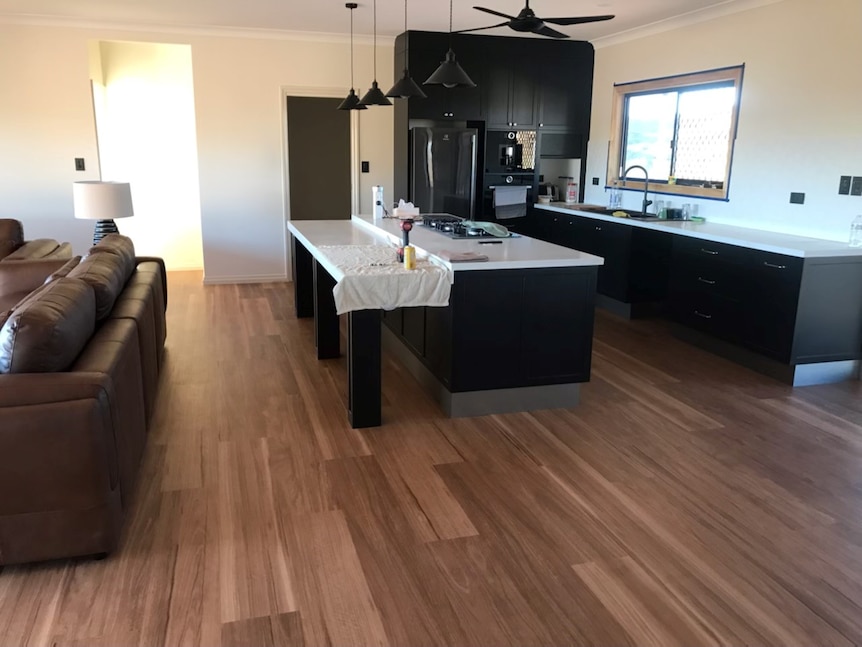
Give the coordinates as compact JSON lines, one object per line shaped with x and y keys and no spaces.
{"x":598,"y":228}
{"x":707,"y":281}
{"x":773,"y":265}
{"x":709,"y":251}
{"x":702,"y":315}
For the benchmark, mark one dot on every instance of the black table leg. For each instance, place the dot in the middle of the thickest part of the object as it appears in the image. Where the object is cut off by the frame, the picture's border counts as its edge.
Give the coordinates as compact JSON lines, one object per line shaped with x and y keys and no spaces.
{"x":303,"y":279}
{"x":326,"y":335}
{"x":363,"y":368}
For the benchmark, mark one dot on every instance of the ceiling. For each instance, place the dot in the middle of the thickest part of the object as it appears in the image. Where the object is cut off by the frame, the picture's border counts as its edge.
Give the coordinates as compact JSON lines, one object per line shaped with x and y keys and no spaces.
{"x":331,"y":17}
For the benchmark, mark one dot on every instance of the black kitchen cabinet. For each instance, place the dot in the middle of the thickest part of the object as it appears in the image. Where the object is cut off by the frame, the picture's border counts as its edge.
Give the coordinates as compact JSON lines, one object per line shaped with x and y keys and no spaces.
{"x":636,"y":266}
{"x":510,"y":91}
{"x":505,"y":329}
{"x":534,"y":83}
{"x":789,"y":309}
{"x":565,"y":85}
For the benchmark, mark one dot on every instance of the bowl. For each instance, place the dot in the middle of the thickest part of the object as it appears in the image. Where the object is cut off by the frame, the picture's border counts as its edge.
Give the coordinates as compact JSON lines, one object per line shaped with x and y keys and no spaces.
{"x":544,"y":199}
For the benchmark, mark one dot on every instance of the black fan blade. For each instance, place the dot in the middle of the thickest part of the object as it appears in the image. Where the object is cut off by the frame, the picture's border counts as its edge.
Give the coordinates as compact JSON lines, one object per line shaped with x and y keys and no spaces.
{"x":547,"y":31}
{"x":577,"y":21}
{"x":464,"y":31}
{"x":494,"y":13}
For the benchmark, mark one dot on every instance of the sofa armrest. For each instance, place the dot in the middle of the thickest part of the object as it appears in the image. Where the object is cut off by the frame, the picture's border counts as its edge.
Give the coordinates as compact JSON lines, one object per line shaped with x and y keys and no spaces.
{"x":26,"y":275}
{"x":56,"y":442}
{"x":36,"y":249}
{"x":164,"y":277}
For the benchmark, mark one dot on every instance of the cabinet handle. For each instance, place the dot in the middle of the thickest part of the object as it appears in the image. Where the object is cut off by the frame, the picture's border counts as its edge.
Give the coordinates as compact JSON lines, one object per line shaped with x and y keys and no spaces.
{"x":541,"y":125}
{"x":707,"y":281}
{"x":515,"y":124}
{"x":709,"y":251}
{"x":773,"y":265}
{"x":702,"y":315}
{"x":598,"y":228}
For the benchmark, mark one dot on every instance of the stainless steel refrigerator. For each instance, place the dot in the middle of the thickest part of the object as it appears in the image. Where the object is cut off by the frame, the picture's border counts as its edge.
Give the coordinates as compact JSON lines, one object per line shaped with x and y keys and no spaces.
{"x":443,"y":171}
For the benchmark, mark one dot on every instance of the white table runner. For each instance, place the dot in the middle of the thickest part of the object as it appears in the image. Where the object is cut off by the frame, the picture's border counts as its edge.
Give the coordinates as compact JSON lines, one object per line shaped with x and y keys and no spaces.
{"x":373,"y":279}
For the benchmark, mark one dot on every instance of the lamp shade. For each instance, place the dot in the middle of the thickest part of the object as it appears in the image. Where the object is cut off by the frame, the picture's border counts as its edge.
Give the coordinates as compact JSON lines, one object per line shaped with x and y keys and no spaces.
{"x":450,"y":74}
{"x":96,"y":200}
{"x":375,"y":97}
{"x":406,"y":88}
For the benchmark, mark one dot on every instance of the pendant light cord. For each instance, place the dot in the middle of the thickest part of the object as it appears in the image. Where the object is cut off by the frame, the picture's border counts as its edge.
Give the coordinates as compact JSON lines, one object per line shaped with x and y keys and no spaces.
{"x":450,"y":24}
{"x":375,"y":40}
{"x":351,"y":49}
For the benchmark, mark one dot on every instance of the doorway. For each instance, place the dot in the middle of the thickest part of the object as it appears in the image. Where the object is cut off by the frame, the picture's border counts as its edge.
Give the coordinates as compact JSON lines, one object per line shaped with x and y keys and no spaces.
{"x":319,"y":159}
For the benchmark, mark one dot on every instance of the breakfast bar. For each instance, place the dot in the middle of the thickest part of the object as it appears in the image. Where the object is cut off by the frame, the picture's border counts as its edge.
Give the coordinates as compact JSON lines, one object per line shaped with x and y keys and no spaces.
{"x":515,"y":335}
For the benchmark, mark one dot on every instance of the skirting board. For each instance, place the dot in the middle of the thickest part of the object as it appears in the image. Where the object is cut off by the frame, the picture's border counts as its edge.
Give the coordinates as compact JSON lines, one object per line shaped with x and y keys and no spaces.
{"x":482,"y":403}
{"x":260,"y":278}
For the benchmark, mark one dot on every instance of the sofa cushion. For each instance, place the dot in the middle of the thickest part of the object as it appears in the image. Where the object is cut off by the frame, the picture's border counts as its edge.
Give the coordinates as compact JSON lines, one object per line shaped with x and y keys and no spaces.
{"x":4,"y":316}
{"x":106,"y":274}
{"x":46,"y":334}
{"x":118,"y":245}
{"x":67,"y":267}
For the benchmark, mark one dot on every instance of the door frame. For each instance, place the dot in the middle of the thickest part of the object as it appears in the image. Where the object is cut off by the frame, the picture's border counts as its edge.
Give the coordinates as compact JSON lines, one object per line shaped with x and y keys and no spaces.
{"x":322,"y":93}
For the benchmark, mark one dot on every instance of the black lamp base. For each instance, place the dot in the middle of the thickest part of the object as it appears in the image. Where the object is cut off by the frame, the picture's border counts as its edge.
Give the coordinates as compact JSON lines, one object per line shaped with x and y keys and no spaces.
{"x":103,"y":228}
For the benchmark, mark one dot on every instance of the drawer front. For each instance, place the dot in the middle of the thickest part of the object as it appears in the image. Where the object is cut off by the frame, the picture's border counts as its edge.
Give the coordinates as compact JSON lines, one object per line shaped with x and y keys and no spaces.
{"x":708,"y":313}
{"x":709,"y":250}
{"x":707,"y":275}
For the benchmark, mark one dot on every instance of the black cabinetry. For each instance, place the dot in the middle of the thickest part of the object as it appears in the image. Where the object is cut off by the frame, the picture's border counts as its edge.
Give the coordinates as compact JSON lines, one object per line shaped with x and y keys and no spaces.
{"x":790,"y":309}
{"x":635,"y":270}
{"x":522,"y":83}
{"x":505,"y":329}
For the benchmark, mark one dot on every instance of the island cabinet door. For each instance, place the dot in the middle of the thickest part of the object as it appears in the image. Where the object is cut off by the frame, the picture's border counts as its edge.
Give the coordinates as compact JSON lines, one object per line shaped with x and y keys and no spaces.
{"x":558,"y":326}
{"x":518,"y":328}
{"x":486,"y":349}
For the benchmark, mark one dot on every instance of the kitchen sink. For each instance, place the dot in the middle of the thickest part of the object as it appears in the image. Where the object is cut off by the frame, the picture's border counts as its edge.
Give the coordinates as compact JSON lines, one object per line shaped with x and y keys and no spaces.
{"x":634,"y":215}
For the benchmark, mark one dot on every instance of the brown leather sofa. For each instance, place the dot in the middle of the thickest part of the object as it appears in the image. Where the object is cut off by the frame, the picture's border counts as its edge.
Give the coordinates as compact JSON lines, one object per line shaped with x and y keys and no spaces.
{"x":13,"y":247}
{"x":80,"y":357}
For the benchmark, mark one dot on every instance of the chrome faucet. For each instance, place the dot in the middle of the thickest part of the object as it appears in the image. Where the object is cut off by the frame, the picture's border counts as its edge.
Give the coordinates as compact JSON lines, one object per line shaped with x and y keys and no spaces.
{"x":646,"y":184}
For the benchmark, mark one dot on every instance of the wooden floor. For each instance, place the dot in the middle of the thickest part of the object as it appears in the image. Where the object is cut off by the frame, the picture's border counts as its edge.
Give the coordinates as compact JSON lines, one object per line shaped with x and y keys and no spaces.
{"x":687,"y":501}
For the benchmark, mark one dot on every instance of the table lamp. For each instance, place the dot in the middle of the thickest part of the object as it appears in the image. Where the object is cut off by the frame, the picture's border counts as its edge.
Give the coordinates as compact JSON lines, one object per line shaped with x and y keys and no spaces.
{"x":102,"y":202}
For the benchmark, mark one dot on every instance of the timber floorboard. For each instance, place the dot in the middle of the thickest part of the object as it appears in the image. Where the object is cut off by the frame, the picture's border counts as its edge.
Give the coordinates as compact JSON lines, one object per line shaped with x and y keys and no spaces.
{"x":686,"y":501}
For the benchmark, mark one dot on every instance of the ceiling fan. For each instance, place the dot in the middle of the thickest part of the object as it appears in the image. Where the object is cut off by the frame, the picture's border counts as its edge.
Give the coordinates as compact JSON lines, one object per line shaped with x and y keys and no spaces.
{"x":527,"y":21}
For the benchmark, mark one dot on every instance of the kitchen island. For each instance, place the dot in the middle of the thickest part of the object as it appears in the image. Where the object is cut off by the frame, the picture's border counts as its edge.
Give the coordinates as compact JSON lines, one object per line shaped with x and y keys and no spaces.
{"x":516,"y":335}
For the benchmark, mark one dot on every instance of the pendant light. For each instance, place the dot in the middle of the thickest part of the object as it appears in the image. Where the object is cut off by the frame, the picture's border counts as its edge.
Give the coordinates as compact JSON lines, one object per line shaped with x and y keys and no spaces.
{"x":406,"y":87}
{"x":450,"y":74}
{"x":351,"y":102}
{"x":375,"y":96}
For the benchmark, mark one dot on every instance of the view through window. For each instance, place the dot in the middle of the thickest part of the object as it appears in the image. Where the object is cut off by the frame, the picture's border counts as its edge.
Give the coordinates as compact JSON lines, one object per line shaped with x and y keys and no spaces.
{"x":681,"y":129}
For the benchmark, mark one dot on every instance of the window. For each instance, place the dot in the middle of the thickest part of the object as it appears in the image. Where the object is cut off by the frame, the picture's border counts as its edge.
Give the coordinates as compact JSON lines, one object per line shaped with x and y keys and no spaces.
{"x":681,"y":129}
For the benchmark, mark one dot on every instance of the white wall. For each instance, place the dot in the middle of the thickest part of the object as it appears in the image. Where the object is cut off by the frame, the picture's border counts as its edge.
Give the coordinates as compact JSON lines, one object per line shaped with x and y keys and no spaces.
{"x":146,"y":130}
{"x":48,"y":120}
{"x":799,"y":125}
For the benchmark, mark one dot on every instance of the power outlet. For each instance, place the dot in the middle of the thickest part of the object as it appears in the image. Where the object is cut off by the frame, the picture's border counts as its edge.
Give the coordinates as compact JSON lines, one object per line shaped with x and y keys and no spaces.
{"x":856,"y":186}
{"x":844,"y":185}
{"x":366,"y":167}
{"x":595,"y":181}
{"x":79,"y":164}
{"x":797,"y":198}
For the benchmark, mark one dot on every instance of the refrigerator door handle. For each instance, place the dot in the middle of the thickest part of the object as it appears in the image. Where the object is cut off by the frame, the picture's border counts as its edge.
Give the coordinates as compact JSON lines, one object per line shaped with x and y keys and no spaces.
{"x":473,"y":181}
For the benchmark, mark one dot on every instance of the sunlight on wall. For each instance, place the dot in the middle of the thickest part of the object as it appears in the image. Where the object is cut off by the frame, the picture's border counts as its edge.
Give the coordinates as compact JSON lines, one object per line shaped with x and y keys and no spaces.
{"x":145,"y":115}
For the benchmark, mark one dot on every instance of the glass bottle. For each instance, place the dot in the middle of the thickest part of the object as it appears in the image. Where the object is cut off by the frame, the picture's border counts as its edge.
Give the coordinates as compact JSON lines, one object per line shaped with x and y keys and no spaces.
{"x":856,"y":232}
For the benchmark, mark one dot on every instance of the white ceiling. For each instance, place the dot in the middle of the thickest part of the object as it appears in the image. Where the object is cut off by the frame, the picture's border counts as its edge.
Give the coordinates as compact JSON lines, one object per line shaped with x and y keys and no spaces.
{"x":331,"y":17}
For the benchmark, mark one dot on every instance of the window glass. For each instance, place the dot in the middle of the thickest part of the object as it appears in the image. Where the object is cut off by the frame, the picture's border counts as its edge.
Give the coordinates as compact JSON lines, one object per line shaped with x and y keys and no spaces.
{"x":681,"y":129}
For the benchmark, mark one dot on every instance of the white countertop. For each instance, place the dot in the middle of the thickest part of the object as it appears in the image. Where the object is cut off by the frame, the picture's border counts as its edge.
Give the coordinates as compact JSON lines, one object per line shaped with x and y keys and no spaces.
{"x":519,"y":252}
{"x":766,"y":241}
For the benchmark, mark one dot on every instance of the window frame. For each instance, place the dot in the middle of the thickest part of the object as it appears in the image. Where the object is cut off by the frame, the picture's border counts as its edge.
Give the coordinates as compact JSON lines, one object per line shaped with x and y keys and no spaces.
{"x":683,"y":82}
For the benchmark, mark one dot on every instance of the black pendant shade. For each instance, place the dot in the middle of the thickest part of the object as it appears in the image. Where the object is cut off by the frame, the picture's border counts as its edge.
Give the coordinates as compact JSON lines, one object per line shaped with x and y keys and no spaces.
{"x":375,"y":96}
{"x":351,"y":101}
{"x":406,"y":87}
{"x":450,"y":74}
